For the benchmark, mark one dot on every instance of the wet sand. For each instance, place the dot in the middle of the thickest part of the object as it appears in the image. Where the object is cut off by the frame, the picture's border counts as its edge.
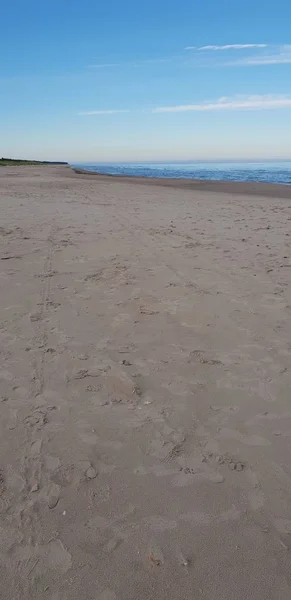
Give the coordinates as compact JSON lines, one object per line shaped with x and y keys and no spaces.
{"x":249,"y":188}
{"x":145,"y":376}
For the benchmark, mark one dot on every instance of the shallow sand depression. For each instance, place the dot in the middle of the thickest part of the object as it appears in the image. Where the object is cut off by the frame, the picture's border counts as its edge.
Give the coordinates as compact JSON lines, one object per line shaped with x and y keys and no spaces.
{"x":145,"y":378}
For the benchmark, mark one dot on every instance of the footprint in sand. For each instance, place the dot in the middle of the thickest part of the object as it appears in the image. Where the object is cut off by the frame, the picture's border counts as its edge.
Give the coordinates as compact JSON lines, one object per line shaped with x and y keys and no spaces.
{"x":36,"y":560}
{"x":35,"y":448}
{"x":248,"y":440}
{"x":37,"y":419}
{"x":52,"y":495}
{"x":199,"y":356}
{"x":155,"y":555}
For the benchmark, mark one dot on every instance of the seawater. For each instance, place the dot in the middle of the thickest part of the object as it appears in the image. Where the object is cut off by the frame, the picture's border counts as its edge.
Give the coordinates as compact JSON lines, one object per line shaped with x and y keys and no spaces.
{"x":266,"y":172}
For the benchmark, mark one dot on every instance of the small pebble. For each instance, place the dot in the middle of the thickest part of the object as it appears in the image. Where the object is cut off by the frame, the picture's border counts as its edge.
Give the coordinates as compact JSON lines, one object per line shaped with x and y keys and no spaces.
{"x":182,"y":560}
{"x":236,"y":466}
{"x":53,"y":501}
{"x":91,"y":473}
{"x":137,"y":391}
{"x":239,"y":466}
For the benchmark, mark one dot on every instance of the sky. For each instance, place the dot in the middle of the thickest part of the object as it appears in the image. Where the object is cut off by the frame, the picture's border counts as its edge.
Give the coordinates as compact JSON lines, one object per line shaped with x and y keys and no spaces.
{"x":157,"y":80}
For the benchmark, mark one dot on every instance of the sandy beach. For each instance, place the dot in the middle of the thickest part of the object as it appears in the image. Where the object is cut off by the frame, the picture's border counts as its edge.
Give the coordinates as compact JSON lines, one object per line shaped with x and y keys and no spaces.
{"x":145,"y":380}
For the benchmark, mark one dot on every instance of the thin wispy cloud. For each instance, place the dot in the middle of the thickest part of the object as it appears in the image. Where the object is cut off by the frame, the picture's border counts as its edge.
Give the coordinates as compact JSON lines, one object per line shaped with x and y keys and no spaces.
{"x":226,"y":103}
{"x":263,"y":102}
{"x":250,"y":55}
{"x":103,"y":66}
{"x":210,"y":56}
{"x":88,"y":113}
{"x":266,"y":60}
{"x":138,"y":63}
{"x":234,"y":47}
{"x":227,"y":47}
{"x":279,"y":56}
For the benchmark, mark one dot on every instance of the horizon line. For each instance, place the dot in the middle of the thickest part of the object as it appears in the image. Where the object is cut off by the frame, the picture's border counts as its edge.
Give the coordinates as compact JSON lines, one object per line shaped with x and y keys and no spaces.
{"x":180,"y":161}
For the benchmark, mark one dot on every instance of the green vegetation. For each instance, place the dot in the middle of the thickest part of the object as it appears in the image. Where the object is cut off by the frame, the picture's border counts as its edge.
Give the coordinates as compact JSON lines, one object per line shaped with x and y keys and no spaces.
{"x":14,"y":162}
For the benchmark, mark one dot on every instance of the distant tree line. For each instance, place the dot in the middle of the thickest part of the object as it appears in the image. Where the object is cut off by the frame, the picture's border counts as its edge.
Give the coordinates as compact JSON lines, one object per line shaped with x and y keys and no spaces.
{"x":19,"y":161}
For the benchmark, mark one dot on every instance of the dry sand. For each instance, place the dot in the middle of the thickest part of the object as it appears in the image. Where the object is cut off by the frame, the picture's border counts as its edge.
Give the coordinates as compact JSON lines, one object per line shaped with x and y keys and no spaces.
{"x":145,"y":444}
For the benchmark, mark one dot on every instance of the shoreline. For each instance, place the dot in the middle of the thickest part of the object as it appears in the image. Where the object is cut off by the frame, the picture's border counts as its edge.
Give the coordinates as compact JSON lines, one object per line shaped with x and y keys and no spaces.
{"x":248,"y":188}
{"x":269,"y":190}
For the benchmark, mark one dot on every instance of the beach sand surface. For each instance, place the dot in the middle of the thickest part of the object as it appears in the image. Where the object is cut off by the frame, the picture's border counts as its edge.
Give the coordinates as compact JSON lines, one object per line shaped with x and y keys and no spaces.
{"x":145,"y":372}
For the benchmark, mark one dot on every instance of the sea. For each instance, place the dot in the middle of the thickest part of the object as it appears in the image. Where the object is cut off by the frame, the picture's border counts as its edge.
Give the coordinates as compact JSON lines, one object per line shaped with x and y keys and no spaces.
{"x":266,"y":172}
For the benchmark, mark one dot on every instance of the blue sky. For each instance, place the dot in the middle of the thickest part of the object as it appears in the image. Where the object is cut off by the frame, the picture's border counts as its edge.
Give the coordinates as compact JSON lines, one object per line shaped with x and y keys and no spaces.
{"x":157,"y":80}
